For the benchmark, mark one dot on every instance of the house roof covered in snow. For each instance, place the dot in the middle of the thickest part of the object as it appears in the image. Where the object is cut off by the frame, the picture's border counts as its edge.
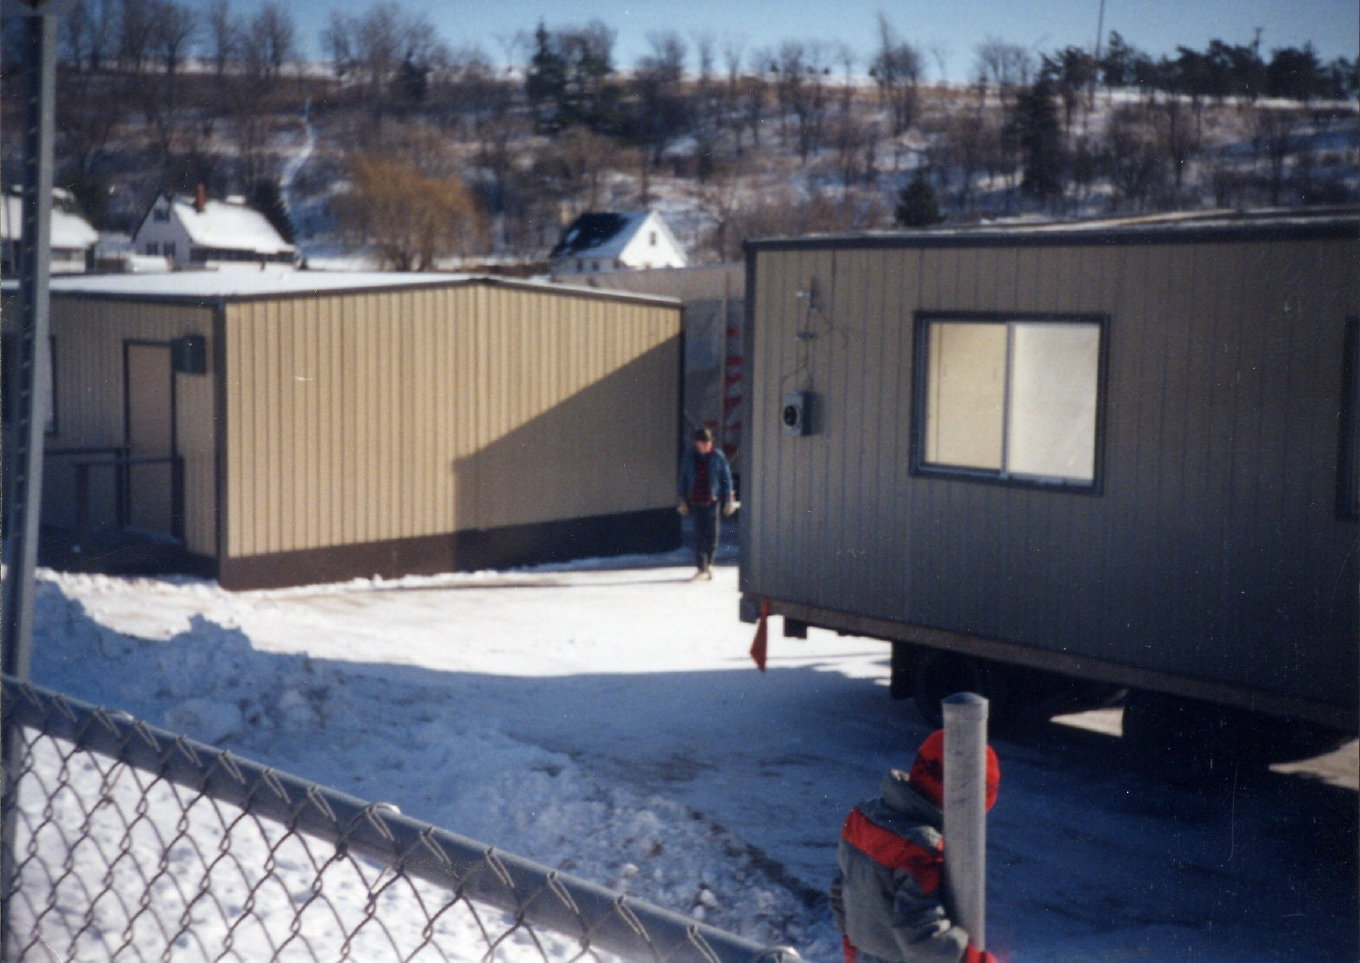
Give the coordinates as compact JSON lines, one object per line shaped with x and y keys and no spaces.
{"x":229,"y":225}
{"x":70,"y":231}
{"x":599,"y":234}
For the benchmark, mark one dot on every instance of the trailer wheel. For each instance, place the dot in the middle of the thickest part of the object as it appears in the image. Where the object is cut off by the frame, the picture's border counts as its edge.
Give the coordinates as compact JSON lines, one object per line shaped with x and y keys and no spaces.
{"x":1193,"y":743}
{"x":1185,"y":742}
{"x":937,"y":674}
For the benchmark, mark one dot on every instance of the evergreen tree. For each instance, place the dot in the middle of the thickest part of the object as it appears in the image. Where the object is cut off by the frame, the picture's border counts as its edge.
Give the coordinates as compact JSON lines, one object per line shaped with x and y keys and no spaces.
{"x":567,"y":81}
{"x":545,"y":82}
{"x":1039,"y":134}
{"x":1295,"y":73}
{"x":266,"y":197}
{"x":917,"y":205}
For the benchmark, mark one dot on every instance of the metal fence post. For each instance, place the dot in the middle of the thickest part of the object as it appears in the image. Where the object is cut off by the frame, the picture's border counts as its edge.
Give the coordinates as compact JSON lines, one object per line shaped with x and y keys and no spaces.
{"x":21,"y":509}
{"x":965,"y":811}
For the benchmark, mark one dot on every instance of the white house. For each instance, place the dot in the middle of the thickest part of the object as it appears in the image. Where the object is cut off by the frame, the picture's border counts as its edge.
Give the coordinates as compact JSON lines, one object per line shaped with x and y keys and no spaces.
{"x":198,"y":232}
{"x":606,"y":241}
{"x":72,"y":235}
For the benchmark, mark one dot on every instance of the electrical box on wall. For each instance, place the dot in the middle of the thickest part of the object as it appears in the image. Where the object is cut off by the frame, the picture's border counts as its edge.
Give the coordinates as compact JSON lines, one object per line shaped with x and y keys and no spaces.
{"x":796,"y":415}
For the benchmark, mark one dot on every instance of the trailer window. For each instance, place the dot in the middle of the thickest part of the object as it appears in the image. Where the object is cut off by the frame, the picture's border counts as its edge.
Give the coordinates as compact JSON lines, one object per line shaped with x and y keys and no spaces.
{"x":1009,"y":399}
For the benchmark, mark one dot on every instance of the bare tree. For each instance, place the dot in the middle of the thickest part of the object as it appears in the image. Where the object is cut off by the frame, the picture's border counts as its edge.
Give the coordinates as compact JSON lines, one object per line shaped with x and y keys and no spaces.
{"x":174,"y":28}
{"x":1179,"y":137}
{"x":801,"y":71}
{"x":413,"y":219}
{"x":222,"y":36}
{"x":90,"y":103}
{"x":270,"y":41}
{"x":661,"y":110}
{"x":959,"y":138}
{"x":575,"y":167}
{"x":1006,"y":66}
{"x":1273,"y":136}
{"x":1134,"y":161}
{"x":370,"y":50}
{"x":897,"y":69}
{"x":708,"y":106}
{"x":86,"y":34}
{"x":134,"y":42}
{"x":249,"y":54}
{"x":733,"y":52}
{"x":154,"y":38}
{"x":854,"y":138}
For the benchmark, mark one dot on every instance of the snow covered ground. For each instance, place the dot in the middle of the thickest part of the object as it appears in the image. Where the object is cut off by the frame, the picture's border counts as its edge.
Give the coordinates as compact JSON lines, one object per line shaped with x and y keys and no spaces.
{"x":604,"y":717}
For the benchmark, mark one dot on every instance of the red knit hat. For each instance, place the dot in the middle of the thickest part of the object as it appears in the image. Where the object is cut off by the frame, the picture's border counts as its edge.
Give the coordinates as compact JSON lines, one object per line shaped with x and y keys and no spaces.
{"x":927,"y":772}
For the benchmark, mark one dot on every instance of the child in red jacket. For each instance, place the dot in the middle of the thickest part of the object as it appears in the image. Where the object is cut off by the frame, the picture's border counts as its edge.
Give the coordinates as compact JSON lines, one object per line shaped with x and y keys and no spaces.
{"x":887,"y":894}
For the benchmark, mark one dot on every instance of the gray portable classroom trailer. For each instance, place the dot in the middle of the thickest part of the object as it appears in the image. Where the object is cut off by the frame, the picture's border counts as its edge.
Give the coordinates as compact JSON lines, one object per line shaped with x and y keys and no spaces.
{"x":1122,"y":452}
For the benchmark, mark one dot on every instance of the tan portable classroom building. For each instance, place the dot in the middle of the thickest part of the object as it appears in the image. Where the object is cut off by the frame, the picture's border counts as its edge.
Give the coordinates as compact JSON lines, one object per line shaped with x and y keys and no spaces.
{"x":289,"y":427}
{"x":1127,"y":453}
{"x":714,"y":312}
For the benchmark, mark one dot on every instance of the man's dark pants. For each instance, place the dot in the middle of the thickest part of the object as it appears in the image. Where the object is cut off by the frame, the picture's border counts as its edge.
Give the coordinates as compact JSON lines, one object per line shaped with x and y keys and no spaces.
{"x":705,"y":519}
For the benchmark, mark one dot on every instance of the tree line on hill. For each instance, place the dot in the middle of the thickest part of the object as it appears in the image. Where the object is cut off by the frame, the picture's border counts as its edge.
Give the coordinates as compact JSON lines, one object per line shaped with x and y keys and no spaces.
{"x":425,"y":150}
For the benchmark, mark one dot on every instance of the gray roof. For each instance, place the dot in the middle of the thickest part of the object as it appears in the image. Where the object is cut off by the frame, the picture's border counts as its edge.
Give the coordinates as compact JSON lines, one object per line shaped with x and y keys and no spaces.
{"x":599,"y":234}
{"x":1173,"y":227}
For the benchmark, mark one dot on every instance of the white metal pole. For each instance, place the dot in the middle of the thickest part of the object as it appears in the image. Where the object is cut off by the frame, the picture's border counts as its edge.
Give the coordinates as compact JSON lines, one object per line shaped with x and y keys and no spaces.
{"x":965,"y":811}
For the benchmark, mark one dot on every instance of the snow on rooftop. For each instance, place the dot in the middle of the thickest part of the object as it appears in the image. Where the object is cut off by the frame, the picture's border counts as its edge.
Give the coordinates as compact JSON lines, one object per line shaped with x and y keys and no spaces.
{"x":229,"y":225}
{"x":284,"y":281}
{"x":249,"y":283}
{"x":69,"y":231}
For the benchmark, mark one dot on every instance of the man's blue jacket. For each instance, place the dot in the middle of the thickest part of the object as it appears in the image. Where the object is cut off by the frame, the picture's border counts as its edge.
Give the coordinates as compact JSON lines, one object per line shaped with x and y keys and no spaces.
{"x":719,"y":475}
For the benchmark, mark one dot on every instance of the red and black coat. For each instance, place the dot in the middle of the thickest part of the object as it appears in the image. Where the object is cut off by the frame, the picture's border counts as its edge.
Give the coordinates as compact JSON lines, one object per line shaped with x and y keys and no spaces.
{"x":888,"y":893}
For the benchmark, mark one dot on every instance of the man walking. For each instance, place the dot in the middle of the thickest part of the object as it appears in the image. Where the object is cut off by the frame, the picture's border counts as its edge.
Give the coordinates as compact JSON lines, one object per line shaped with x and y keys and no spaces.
{"x":705,"y":486}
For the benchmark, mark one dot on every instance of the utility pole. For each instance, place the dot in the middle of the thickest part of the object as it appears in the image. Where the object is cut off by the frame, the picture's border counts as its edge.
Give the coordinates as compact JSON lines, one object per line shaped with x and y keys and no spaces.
{"x":1095,"y":58}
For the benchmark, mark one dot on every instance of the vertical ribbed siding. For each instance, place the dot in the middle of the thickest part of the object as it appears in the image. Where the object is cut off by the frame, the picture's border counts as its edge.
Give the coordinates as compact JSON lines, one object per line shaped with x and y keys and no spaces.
{"x":88,"y":334}
{"x":1213,"y":549}
{"x":400,"y":414}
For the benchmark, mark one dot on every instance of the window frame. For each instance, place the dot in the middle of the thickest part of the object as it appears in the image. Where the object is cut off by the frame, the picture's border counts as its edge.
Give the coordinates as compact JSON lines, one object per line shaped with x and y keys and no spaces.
{"x":920,"y":401}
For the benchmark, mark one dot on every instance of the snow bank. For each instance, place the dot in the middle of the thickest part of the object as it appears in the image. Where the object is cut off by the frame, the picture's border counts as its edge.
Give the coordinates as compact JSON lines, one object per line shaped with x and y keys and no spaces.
{"x":403,"y":743}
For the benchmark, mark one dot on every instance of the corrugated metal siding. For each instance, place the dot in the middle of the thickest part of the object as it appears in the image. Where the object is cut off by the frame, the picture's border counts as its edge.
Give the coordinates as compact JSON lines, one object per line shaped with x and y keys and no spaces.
{"x":1214,"y":549}
{"x":88,"y":336}
{"x":402,"y":414}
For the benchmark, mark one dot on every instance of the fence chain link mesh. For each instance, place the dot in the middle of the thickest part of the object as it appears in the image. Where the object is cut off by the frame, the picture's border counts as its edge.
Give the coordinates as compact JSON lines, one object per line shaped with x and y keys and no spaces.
{"x":127,"y":842}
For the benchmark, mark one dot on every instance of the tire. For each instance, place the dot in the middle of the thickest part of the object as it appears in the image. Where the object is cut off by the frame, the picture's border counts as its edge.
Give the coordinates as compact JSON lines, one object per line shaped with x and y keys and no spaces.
{"x":938,"y":674}
{"x":1189,"y":743}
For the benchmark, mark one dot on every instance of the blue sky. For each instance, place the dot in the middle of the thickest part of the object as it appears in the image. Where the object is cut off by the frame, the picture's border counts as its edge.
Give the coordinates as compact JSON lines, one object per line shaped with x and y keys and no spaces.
{"x":948,"y":32}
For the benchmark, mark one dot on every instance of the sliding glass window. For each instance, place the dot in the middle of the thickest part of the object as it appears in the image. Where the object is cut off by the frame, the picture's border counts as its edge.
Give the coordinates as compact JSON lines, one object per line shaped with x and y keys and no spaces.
{"x":1005,"y":398}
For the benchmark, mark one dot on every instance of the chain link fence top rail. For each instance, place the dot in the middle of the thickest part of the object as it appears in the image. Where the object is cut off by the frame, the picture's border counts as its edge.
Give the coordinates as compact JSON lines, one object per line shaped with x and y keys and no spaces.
{"x":127,"y":842}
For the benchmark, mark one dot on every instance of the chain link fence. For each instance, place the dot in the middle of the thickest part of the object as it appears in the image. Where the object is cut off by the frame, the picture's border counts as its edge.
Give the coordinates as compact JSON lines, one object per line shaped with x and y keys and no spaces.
{"x":123,"y":841}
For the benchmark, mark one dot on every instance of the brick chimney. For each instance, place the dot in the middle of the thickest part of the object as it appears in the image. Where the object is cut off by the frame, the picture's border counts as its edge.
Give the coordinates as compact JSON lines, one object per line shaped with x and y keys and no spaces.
{"x":200,"y":198}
